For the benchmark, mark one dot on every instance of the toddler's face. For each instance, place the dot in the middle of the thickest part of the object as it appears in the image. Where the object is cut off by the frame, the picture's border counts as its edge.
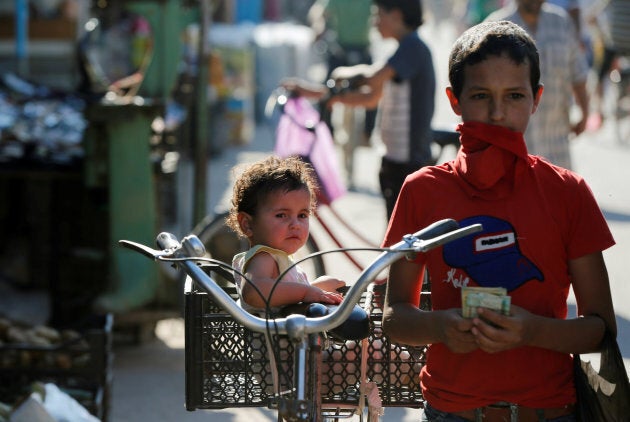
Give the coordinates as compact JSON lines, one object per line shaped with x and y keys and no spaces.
{"x":496,"y":91}
{"x":282,"y":221}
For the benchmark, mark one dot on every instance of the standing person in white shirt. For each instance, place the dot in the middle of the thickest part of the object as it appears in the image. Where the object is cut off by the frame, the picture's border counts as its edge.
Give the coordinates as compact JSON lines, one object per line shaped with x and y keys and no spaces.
{"x":564,"y":72}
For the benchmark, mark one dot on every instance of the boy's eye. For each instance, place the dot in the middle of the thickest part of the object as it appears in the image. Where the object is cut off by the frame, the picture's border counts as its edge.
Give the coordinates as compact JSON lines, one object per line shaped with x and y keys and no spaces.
{"x":281,"y":215}
{"x":516,"y":96}
{"x":478,"y":96}
{"x":304,"y":215}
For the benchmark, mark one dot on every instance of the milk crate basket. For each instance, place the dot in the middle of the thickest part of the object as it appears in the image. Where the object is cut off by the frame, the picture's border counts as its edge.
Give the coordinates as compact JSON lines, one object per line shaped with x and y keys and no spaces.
{"x":227,"y":365}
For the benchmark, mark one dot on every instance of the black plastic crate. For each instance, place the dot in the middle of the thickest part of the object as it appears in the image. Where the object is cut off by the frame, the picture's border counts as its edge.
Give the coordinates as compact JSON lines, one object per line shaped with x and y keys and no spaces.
{"x":227,"y":365}
{"x":393,"y":367}
{"x":82,"y":367}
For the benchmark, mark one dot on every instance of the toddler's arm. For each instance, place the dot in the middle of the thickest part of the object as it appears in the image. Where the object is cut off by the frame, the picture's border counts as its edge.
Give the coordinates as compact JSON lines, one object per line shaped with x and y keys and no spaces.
{"x":285,"y":293}
{"x":327,"y":283}
{"x":262,"y":271}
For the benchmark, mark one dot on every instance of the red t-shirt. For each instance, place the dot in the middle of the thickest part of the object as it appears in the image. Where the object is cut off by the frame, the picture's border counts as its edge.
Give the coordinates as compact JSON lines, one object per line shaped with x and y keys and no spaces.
{"x":549,"y":218}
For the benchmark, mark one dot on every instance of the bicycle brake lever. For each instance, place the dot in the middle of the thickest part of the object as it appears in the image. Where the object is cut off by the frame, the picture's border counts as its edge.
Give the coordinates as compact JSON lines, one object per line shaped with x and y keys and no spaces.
{"x":434,"y":230}
{"x":437,"y":229}
{"x":426,"y":245}
{"x":154,"y":254}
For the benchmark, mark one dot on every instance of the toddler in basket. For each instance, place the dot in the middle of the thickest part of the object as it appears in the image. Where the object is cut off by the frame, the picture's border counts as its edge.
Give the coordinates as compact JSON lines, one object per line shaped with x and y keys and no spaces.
{"x":271,"y":206}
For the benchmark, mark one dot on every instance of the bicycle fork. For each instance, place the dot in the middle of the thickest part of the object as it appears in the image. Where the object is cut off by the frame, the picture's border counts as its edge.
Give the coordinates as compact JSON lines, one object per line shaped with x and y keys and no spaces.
{"x":305,"y":403}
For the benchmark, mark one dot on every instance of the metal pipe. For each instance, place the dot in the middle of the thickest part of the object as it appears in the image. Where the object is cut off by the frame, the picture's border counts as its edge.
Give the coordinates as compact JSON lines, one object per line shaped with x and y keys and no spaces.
{"x":21,"y":37}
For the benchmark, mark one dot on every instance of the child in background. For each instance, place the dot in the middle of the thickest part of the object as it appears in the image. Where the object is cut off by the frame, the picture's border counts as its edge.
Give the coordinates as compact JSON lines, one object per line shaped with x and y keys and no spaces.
{"x":271,"y":206}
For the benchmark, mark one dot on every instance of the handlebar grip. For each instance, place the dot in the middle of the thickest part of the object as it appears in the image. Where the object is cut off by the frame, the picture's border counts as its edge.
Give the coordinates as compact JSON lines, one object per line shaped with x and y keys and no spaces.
{"x":437,"y":229}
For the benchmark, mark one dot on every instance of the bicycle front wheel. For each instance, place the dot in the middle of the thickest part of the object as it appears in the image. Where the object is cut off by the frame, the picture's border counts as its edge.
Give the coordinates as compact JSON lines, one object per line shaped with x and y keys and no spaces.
{"x":222,"y":243}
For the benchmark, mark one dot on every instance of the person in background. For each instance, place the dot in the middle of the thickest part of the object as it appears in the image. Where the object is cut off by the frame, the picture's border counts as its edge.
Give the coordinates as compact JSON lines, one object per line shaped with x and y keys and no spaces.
{"x":343,"y":28}
{"x":542,"y":235}
{"x":609,"y":21}
{"x":574,"y":10}
{"x":403,"y":88}
{"x":478,"y":10}
{"x":564,"y":73}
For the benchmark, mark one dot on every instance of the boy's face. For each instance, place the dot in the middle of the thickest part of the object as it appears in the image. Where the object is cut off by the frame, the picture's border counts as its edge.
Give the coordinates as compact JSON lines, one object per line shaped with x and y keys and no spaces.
{"x":496,"y":91}
{"x":386,"y":21}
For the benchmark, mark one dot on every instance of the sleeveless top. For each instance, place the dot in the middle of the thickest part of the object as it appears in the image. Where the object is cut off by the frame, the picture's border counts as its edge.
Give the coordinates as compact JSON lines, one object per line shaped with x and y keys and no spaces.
{"x":284,"y":261}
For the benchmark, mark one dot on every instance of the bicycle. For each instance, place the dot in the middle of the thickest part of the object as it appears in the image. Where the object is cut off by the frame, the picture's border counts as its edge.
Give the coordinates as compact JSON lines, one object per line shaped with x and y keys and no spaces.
{"x":223,"y":365}
{"x":310,"y":138}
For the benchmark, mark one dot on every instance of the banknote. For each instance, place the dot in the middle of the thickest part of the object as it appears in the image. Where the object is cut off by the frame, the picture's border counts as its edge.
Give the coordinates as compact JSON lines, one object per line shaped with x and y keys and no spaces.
{"x":494,"y":298}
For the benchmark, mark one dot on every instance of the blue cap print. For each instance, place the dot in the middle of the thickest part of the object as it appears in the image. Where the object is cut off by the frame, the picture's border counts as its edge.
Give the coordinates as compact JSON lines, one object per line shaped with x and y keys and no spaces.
{"x":491,"y":257}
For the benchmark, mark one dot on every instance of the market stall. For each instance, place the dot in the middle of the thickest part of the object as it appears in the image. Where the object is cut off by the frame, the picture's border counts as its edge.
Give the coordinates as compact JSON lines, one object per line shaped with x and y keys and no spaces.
{"x":86,"y":159}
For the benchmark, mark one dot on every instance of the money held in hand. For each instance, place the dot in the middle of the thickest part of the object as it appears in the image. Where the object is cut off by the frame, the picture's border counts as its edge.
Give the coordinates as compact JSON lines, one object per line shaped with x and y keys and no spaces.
{"x":494,"y":298}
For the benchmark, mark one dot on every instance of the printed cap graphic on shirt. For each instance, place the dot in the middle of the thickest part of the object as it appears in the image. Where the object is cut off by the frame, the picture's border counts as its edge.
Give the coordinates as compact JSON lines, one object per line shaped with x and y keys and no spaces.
{"x":491,"y":257}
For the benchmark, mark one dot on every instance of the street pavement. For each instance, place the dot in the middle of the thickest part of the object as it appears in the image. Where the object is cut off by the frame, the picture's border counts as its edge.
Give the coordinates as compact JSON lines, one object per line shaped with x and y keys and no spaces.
{"x":149,"y":378}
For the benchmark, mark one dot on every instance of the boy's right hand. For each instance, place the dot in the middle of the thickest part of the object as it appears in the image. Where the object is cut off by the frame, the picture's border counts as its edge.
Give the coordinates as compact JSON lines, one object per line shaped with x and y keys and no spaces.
{"x":456,"y":332}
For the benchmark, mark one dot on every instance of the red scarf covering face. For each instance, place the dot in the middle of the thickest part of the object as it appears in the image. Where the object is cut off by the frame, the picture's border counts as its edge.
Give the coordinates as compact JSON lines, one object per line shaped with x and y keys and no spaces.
{"x":490,"y":160}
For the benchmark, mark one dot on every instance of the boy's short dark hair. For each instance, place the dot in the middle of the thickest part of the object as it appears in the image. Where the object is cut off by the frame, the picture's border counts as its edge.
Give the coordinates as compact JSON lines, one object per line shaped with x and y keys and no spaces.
{"x":411,"y":10}
{"x":492,"y":38}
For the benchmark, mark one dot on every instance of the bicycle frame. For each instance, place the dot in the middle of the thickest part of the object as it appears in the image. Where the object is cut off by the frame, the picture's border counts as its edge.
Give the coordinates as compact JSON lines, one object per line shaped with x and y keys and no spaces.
{"x":329,"y":231}
{"x":298,"y":328}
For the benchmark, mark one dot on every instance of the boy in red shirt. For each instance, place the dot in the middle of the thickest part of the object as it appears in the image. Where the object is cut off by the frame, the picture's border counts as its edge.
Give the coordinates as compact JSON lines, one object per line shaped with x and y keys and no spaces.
{"x":543,"y":233}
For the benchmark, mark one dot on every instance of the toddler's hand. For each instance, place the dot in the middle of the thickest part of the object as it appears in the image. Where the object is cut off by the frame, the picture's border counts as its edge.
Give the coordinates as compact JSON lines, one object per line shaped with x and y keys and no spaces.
{"x":315,"y":294}
{"x":330,"y":284}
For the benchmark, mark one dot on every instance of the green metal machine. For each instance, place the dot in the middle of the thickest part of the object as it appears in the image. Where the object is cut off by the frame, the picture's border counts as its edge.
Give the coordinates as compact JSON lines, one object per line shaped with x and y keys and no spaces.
{"x":124,"y":125}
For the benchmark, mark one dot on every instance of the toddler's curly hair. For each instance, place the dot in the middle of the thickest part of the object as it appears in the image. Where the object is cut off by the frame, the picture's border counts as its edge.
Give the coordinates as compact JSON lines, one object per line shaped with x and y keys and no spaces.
{"x":263,"y":177}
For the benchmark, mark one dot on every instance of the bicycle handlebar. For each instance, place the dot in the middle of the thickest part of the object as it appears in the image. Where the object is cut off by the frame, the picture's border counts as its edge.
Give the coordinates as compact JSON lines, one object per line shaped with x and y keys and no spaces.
{"x":296,"y":325}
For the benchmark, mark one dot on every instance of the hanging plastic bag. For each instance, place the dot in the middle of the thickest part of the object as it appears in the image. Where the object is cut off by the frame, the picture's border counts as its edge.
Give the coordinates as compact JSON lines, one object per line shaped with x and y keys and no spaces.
{"x":302,"y":133}
{"x":603,"y":396}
